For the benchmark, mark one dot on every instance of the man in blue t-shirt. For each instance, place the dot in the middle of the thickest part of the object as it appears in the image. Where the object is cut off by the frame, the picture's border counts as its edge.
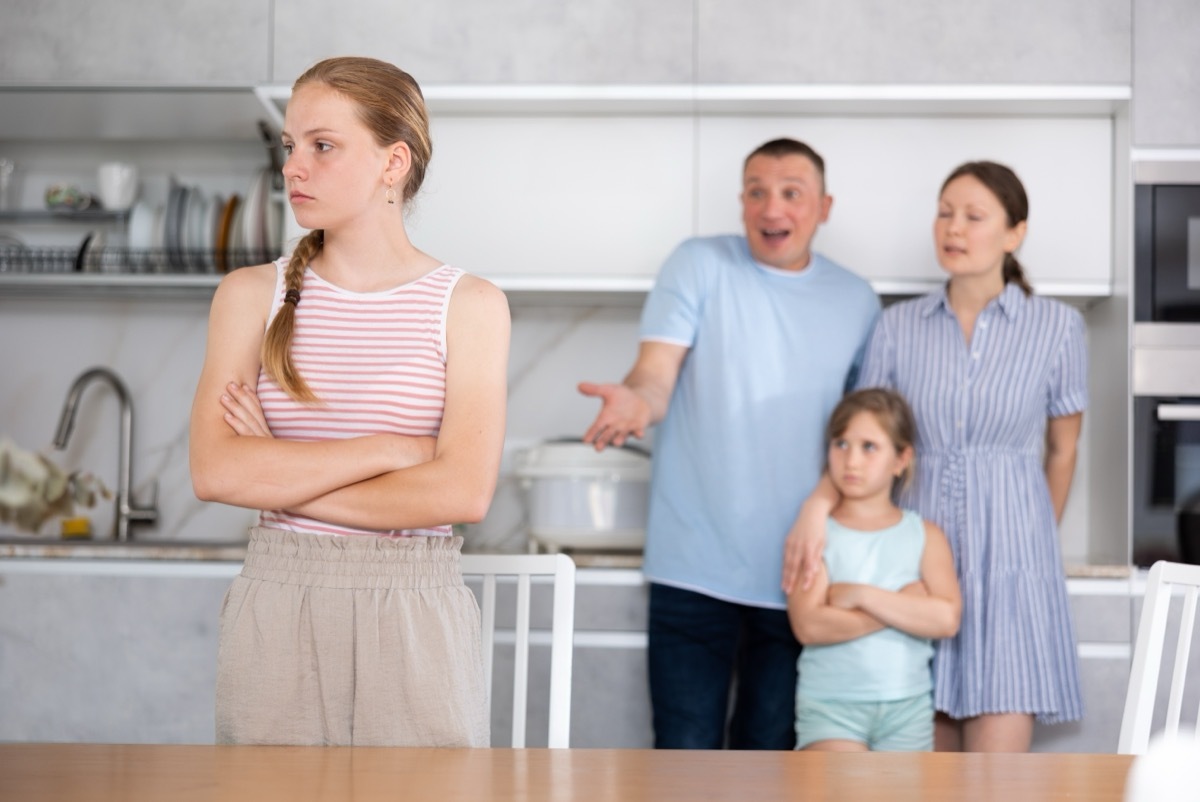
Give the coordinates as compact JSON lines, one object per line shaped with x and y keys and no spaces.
{"x":747,"y":344}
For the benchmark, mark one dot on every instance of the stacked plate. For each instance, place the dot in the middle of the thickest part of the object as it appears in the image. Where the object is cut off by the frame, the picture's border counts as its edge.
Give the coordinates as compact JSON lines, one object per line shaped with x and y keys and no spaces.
{"x":198,"y":232}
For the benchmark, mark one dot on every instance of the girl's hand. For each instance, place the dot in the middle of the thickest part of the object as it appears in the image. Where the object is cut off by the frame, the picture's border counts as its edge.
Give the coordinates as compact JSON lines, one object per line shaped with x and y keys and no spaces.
{"x":243,"y":413}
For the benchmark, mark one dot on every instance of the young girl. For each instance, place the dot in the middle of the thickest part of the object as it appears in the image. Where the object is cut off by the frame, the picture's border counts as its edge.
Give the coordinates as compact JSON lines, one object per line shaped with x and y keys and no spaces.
{"x":381,"y":374}
{"x":887,"y":587}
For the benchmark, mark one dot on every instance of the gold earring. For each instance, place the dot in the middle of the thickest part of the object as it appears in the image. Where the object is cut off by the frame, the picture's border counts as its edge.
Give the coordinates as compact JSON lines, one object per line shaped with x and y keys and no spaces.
{"x":390,"y":195}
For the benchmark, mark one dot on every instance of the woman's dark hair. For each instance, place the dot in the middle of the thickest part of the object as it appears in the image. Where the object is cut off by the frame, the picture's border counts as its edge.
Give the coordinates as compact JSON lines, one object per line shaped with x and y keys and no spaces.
{"x":894,"y":417}
{"x":1002,"y":182}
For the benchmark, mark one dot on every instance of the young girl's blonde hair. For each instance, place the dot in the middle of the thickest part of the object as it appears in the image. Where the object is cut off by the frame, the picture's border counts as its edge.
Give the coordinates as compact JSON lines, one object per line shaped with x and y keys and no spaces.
{"x":894,"y":417}
{"x":391,"y":105}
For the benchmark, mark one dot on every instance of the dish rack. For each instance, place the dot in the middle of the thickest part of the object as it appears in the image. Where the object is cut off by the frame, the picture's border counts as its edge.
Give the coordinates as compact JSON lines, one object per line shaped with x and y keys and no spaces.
{"x":24,"y":259}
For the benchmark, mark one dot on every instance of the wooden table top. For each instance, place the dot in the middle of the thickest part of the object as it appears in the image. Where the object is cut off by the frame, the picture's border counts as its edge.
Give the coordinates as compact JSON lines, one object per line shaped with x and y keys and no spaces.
{"x":69,"y":772}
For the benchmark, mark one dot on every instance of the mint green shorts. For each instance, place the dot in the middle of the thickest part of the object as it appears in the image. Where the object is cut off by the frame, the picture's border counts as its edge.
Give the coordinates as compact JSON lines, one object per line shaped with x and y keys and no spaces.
{"x":901,"y":725}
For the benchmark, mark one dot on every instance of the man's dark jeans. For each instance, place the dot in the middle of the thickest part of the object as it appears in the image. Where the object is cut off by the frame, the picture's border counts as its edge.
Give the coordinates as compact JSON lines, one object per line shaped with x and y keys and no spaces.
{"x":698,"y":645}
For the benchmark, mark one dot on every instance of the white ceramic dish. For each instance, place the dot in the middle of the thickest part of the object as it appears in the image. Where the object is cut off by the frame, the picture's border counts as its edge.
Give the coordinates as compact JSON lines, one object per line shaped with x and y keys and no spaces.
{"x":253,"y":212}
{"x":141,"y":226}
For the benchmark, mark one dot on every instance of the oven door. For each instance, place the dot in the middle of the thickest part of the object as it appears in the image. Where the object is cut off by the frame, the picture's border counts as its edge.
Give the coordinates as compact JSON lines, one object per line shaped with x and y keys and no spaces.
{"x":1166,"y":480}
{"x":1167,"y":261}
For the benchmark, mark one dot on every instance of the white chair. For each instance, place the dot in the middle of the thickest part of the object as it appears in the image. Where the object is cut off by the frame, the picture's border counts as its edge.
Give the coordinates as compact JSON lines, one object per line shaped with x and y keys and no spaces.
{"x":1147,"y":654}
{"x":522,"y":567}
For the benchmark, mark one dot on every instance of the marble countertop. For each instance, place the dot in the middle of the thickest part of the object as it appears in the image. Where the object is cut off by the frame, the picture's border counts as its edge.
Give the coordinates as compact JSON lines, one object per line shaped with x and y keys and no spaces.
{"x":54,"y":548}
{"x":235,"y":551}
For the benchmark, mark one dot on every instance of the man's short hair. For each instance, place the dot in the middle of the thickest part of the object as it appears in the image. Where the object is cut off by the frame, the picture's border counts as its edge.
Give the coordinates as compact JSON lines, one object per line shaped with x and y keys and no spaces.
{"x":778,"y":148}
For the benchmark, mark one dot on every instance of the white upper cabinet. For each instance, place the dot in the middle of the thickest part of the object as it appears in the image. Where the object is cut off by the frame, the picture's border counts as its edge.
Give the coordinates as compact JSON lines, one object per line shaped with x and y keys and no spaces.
{"x":916,"y":41}
{"x":1166,"y":73}
{"x":484,"y":41}
{"x":117,"y":42}
{"x":885,"y":174}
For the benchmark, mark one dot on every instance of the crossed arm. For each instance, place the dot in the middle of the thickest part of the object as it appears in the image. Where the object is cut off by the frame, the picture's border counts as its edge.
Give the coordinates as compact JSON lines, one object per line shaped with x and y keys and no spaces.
{"x":826,"y":613}
{"x":383,"y":481}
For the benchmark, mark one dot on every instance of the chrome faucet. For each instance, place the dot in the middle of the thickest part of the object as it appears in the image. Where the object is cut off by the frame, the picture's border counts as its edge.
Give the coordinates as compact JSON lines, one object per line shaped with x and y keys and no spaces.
{"x":126,"y":512}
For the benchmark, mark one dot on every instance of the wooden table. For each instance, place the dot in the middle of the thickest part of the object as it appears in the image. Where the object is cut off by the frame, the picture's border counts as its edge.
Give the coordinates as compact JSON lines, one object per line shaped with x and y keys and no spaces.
{"x":68,"y":772}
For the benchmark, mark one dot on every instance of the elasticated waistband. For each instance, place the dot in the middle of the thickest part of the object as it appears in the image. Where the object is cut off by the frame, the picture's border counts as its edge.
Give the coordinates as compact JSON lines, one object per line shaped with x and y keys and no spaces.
{"x":352,"y":561}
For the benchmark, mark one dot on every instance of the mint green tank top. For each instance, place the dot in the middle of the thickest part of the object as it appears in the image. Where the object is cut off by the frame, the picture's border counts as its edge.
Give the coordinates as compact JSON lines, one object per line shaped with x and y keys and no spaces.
{"x":885,"y":665}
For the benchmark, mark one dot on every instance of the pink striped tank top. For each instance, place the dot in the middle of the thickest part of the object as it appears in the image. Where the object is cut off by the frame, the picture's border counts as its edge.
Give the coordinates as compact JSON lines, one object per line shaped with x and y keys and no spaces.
{"x":376,"y":361}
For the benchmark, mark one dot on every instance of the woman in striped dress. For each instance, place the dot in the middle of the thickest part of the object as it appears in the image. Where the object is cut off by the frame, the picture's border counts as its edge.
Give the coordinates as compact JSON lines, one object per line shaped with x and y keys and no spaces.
{"x":997,"y":380}
{"x":353,"y":392}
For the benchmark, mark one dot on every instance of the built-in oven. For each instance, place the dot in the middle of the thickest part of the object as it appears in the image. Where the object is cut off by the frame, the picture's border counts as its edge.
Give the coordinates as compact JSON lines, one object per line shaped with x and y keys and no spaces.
{"x":1166,"y":443}
{"x":1167,"y":243}
{"x":1166,"y":363}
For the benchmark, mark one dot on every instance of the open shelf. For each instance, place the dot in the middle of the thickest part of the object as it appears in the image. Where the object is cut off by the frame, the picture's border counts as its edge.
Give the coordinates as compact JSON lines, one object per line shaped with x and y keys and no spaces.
{"x":758,"y":99}
{"x":521,"y":290}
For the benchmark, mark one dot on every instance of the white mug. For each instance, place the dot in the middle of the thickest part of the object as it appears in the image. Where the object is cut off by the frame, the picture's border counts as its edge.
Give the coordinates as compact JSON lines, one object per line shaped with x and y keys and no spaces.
{"x":118,"y":185}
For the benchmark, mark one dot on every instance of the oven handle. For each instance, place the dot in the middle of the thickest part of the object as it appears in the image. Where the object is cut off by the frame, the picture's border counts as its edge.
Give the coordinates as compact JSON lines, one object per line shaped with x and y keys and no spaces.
{"x":1180,"y":412}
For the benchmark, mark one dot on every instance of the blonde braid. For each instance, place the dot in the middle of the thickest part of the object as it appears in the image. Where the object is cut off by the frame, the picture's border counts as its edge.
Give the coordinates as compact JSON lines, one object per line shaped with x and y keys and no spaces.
{"x":277,"y":345}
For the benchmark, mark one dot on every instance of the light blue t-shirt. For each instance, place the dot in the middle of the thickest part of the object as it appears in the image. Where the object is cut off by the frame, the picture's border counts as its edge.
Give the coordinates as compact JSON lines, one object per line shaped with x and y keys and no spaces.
{"x":741,"y":445}
{"x":886,"y":665}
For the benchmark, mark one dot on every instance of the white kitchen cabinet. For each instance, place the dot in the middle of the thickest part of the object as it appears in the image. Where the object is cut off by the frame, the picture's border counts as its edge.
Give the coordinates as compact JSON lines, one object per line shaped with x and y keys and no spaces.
{"x":125,"y":652}
{"x":1102,"y":611}
{"x":920,"y":42}
{"x":598,"y":183}
{"x":1166,"y":73}
{"x":109,"y":653}
{"x":885,"y":173}
{"x":65,"y":42}
{"x":528,"y":41}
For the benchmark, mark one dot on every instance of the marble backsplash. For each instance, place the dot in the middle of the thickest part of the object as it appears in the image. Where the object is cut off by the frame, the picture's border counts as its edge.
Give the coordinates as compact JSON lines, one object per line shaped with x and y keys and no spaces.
{"x":157,"y":347}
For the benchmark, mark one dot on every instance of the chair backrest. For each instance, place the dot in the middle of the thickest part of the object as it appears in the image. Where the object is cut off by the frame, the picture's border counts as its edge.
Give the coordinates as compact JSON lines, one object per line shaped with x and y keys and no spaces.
{"x":522,"y":567}
{"x":1164,"y":578}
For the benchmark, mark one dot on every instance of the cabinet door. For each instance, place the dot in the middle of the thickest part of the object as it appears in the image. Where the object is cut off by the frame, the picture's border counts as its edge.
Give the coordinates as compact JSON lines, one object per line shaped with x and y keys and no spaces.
{"x":108,"y":658}
{"x":556,"y":196}
{"x":1102,"y":610}
{"x":481,"y":41}
{"x":885,"y":174}
{"x":922,"y":41}
{"x":217,"y":42}
{"x":1166,"y":73}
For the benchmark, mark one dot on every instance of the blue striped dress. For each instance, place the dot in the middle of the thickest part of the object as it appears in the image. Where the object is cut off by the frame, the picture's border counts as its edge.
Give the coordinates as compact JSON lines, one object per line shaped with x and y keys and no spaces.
{"x":981,"y":411}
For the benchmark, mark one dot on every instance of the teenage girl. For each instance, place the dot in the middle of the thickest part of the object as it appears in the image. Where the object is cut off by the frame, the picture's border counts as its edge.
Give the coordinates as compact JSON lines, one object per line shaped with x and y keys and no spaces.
{"x":886,"y":588}
{"x":354,"y":392}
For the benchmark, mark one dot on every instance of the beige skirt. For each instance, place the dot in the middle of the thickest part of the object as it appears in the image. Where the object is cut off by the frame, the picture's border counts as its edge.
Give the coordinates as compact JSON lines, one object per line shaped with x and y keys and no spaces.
{"x":359,"y":640}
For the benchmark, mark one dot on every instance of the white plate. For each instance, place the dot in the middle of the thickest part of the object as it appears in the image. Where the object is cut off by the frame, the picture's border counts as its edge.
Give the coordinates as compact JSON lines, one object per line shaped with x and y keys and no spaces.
{"x":274,"y":227}
{"x":253,"y":212}
{"x":141,"y":226}
{"x":158,"y":239}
